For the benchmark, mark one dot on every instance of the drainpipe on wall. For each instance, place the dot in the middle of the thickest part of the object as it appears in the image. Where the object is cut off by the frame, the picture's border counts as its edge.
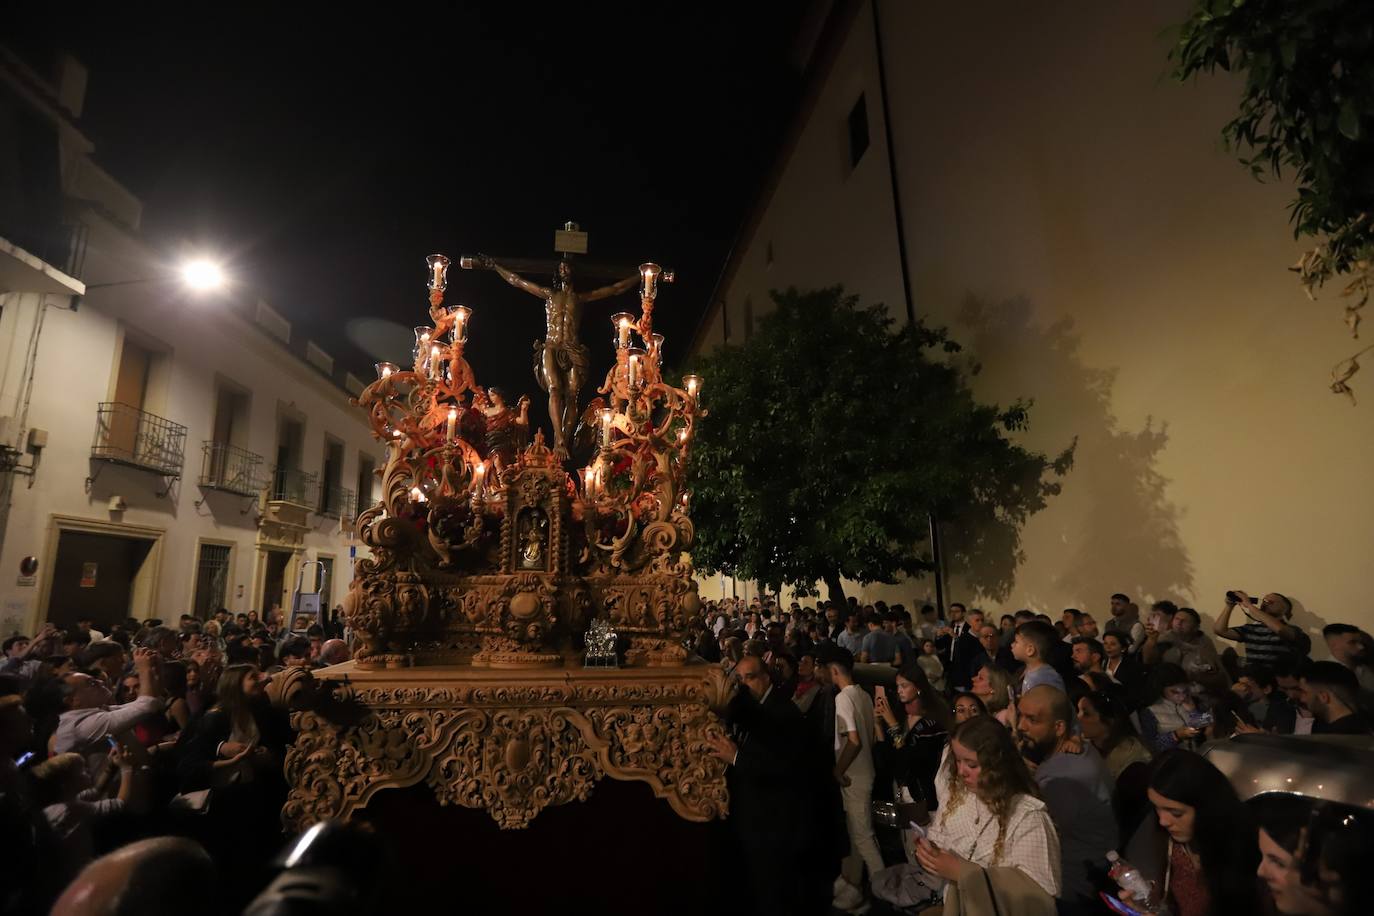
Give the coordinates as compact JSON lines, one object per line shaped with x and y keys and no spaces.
{"x":906,"y":273}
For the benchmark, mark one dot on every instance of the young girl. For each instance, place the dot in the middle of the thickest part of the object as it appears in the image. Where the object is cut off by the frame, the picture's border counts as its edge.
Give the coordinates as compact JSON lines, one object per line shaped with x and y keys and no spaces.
{"x":930,"y":663}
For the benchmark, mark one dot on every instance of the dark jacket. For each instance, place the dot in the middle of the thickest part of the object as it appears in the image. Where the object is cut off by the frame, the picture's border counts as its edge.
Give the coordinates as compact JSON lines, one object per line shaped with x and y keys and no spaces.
{"x":784,"y":803}
{"x":198,"y":748}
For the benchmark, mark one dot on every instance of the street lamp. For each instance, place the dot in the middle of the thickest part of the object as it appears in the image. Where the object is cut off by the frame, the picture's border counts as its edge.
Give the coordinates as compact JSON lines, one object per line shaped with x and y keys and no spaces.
{"x":200,"y":275}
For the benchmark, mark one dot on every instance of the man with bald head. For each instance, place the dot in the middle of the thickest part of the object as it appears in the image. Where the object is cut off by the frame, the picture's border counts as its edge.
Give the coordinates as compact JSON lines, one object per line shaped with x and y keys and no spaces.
{"x":334,"y":652}
{"x":167,"y":875}
{"x":1075,"y":785}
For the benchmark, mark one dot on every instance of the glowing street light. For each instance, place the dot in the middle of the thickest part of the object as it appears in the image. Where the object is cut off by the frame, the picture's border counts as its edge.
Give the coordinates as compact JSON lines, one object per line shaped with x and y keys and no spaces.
{"x":202,"y":275}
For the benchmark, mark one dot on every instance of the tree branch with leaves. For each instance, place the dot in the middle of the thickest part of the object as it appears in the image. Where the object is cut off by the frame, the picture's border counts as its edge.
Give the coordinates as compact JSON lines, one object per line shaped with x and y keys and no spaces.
{"x":1306,"y":111}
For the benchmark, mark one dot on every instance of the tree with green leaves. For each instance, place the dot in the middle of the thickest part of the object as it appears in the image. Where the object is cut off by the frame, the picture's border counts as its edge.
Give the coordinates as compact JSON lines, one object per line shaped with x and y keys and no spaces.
{"x":831,"y":437}
{"x":1306,"y":112}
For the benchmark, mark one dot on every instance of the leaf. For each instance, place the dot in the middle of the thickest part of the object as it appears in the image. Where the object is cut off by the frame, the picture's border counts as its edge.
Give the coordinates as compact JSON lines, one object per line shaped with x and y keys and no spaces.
{"x":1349,"y":121}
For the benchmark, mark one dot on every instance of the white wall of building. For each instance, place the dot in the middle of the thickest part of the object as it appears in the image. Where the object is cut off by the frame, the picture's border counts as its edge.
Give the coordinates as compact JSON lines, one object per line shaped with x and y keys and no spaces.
{"x":1072,"y":217}
{"x":200,"y":342}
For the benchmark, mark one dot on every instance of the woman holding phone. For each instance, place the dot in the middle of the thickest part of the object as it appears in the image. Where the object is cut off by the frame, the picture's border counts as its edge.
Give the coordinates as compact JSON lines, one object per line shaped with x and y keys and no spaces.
{"x":993,"y":816}
{"x":915,"y":731}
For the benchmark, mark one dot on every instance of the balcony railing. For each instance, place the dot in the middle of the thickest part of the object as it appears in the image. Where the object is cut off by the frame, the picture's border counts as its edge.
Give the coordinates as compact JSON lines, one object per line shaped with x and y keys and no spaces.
{"x":337,"y":502}
{"x":127,"y":435}
{"x":293,"y":485}
{"x":230,"y":468}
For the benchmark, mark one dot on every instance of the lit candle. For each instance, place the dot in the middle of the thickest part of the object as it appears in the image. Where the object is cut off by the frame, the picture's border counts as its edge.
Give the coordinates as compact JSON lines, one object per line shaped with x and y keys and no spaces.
{"x":682,"y":435}
{"x":606,"y":427}
{"x":434,"y":361}
{"x":650,"y":272}
{"x":384,"y":370}
{"x":417,"y":494}
{"x":693,"y":383}
{"x":460,"y":323}
{"x":479,"y":475}
{"x":622,"y":322}
{"x":587,"y":483}
{"x":438,"y":271}
{"x":634,"y":371}
{"x":452,"y":422}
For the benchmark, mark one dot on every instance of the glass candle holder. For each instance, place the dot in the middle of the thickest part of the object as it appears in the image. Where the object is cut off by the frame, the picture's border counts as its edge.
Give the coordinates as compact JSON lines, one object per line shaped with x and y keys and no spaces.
{"x":387,"y":370}
{"x":424,"y":338}
{"x":438,"y":271}
{"x":461,"y":314}
{"x":649,"y":273}
{"x":622,"y":322}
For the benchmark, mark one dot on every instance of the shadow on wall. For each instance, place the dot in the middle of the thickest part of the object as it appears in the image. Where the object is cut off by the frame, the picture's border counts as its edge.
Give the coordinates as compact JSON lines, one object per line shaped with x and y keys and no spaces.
{"x":1113,"y":528}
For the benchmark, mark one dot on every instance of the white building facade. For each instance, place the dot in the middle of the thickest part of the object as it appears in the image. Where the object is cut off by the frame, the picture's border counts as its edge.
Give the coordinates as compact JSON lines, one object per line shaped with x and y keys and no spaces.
{"x":163,"y":452}
{"x":1066,"y":208}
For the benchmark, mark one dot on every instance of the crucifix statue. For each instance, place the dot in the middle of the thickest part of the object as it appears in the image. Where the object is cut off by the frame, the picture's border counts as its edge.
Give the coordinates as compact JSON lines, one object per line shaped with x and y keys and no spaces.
{"x":561,"y":360}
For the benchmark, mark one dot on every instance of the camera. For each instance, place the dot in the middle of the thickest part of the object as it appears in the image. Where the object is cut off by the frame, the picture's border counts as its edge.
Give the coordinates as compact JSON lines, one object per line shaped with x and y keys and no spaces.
{"x":1234,"y":597}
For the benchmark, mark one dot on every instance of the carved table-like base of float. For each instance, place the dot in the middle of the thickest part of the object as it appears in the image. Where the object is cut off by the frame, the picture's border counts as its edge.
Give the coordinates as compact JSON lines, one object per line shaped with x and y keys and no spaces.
{"x":512,"y":742}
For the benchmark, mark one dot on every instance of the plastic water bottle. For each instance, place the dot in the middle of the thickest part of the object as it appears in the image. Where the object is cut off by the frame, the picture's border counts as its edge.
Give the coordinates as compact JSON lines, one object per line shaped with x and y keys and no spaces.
{"x":1129,"y":878}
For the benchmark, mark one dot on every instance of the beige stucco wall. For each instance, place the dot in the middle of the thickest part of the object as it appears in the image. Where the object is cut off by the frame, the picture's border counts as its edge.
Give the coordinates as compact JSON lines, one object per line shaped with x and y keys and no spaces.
{"x":1072,"y":216}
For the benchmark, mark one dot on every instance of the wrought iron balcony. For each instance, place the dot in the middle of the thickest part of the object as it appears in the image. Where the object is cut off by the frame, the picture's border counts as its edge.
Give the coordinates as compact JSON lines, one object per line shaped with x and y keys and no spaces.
{"x":230,"y":468}
{"x":337,"y":502}
{"x":133,"y":437}
{"x":292,"y":485}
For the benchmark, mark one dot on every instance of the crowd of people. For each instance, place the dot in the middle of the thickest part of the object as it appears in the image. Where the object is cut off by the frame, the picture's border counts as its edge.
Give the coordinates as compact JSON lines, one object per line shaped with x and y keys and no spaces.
{"x":877,"y":760}
{"x":147,"y":731}
{"x":1028,"y":764}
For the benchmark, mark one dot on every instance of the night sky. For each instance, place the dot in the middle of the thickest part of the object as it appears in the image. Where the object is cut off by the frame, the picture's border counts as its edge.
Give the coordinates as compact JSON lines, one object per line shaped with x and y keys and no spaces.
{"x":327,"y":155}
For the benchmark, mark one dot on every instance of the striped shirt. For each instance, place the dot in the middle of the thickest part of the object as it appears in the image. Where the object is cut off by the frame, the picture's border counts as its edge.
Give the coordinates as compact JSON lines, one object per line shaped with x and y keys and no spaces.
{"x":1262,"y":645}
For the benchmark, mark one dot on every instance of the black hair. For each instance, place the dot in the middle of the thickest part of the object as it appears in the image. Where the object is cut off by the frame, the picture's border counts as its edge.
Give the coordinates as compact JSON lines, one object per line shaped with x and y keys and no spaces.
{"x":1111,"y":708}
{"x":1339,"y":629}
{"x":1191,"y":612}
{"x":1120,"y":597}
{"x":1225,"y":837}
{"x":1334,"y":677}
{"x":295,"y":647}
{"x":1165,"y":675}
{"x":1121,"y":636}
{"x":1094,"y":647}
{"x":1041,"y":635}
{"x":839,"y":655}
{"x":98,"y":650}
{"x":11,"y":640}
{"x":1166,"y":607}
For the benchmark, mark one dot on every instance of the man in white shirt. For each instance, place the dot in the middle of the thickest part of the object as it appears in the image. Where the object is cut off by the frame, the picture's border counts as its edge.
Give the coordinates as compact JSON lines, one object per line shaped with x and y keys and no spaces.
{"x":854,"y":773}
{"x":89,"y":719}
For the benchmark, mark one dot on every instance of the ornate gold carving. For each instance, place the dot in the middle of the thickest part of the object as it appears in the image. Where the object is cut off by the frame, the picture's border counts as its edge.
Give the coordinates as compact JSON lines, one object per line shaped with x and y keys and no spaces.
{"x":512,"y":749}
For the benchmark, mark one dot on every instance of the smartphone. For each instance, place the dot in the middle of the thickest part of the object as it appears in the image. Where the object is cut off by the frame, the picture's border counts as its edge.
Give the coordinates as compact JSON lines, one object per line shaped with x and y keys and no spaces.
{"x":1116,"y":906}
{"x":109,"y":739}
{"x":916,"y":829}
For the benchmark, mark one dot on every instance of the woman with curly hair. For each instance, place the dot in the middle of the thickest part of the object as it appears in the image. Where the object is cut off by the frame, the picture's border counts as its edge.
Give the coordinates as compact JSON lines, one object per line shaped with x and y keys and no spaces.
{"x":993,"y":816}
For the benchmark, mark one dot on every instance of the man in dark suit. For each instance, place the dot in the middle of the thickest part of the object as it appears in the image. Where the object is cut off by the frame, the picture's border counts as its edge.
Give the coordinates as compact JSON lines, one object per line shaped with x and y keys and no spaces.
{"x":966,"y":653}
{"x":780,"y":796}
